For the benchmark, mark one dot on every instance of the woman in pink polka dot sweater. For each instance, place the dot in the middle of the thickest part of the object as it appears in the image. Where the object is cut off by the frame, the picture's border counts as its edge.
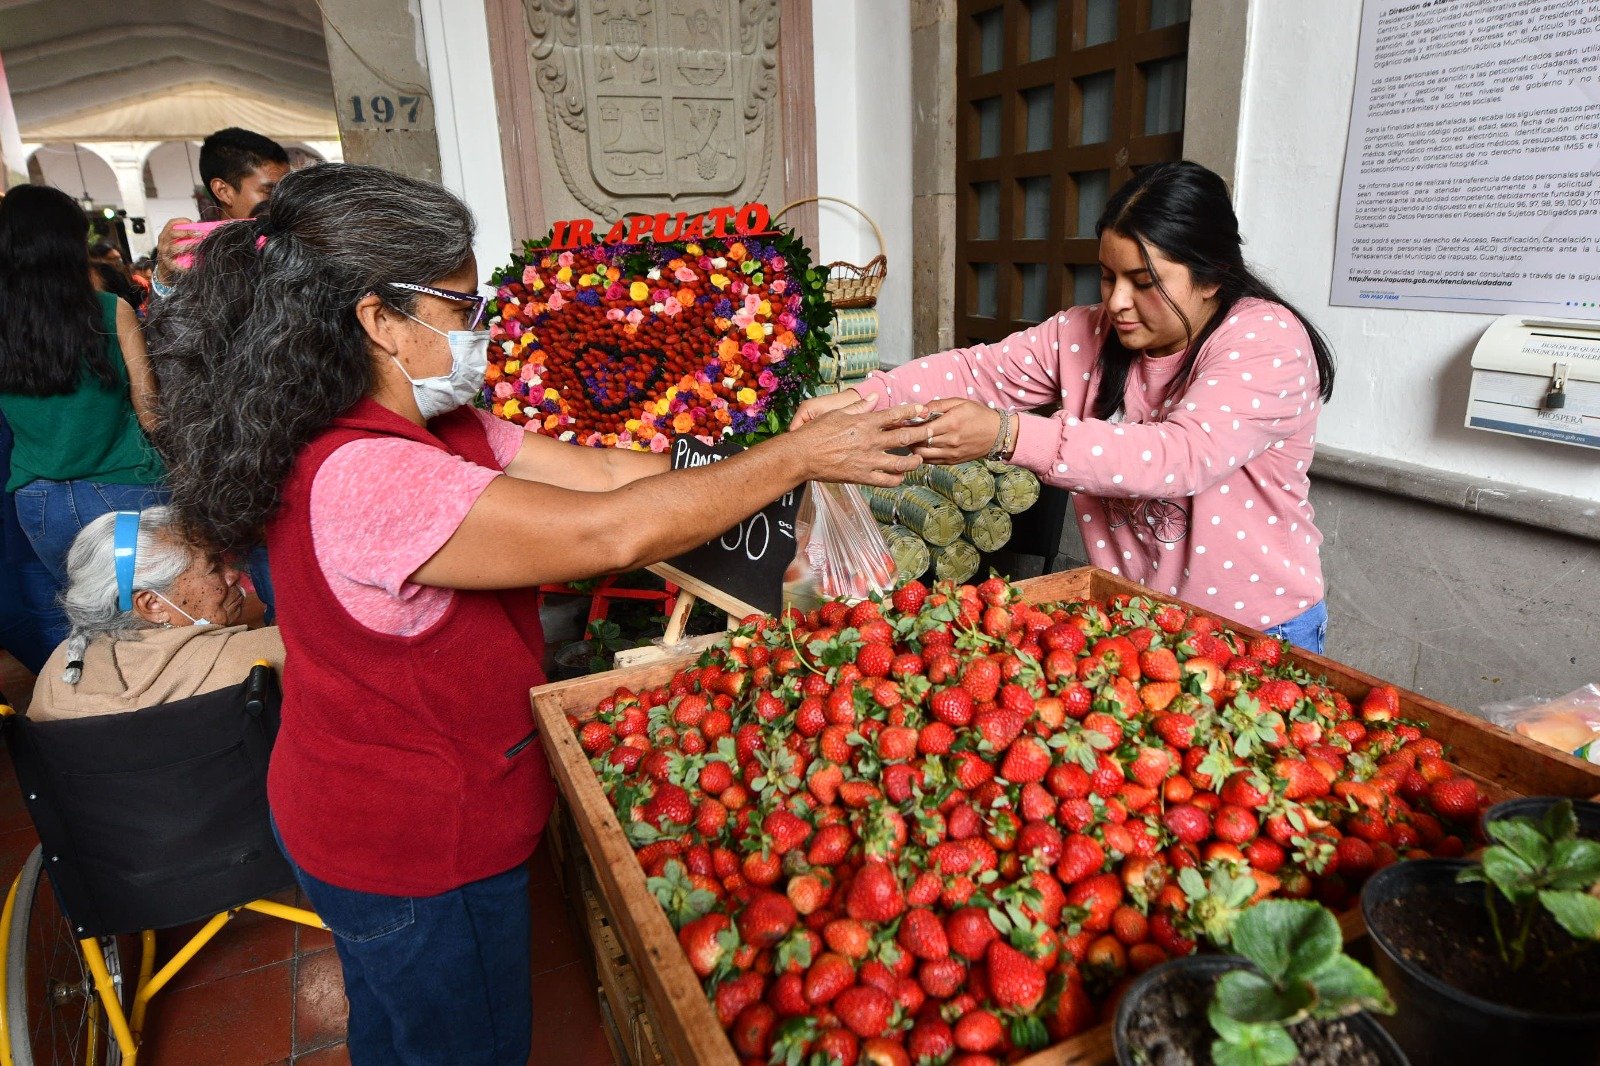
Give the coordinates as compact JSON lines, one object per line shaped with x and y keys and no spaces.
{"x":1188,"y":402}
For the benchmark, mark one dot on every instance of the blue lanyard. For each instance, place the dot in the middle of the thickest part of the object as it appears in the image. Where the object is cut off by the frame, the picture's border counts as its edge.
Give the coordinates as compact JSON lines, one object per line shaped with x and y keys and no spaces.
{"x":125,"y":545}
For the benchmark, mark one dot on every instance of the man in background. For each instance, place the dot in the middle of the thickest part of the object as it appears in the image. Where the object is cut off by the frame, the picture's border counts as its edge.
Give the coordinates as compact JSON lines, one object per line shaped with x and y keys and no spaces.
{"x":240,"y":169}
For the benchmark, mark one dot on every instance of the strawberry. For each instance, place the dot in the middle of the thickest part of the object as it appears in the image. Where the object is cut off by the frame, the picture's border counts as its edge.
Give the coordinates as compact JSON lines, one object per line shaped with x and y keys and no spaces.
{"x":875,"y":660}
{"x":1129,"y":925}
{"x":1354,"y":858}
{"x":972,"y":770}
{"x":1064,"y":637}
{"x":829,"y":975}
{"x":969,"y":932}
{"x":1246,"y":789}
{"x":1267,"y":649}
{"x":922,"y":934}
{"x":1381,"y":704}
{"x":1099,"y":896}
{"x":865,"y":1010}
{"x":732,"y":997}
{"x":1157,"y":696}
{"x":1108,"y":776}
{"x":1234,"y":825}
{"x":710,"y":819}
{"x":1164,"y":932}
{"x":1170,"y":618}
{"x":1176,"y":729}
{"x":1027,"y":760}
{"x":1303,"y":781}
{"x":875,"y":896}
{"x":1187,"y":822}
{"x":1160,"y":664}
{"x":847,"y":937}
{"x":669,"y":804}
{"x":752,"y":1030}
{"x":1278,"y":695}
{"x":897,"y":743}
{"x":715,"y":777}
{"x":1077,"y":699}
{"x":1071,"y":1011}
{"x":1068,"y":781}
{"x":1150,"y":767}
{"x":999,"y":727}
{"x":1456,"y":799}
{"x":952,"y":706}
{"x":979,"y":1031}
{"x":981,"y":679}
{"x":1016,"y":982}
{"x":766,"y":919}
{"x":595,"y":738}
{"x":787,"y":996}
{"x":701,"y":940}
{"x":931,"y":1040}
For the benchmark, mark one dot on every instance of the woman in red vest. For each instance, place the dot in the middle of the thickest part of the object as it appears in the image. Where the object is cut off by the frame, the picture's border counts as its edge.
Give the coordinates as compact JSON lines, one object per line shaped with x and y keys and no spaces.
{"x":315,"y":371}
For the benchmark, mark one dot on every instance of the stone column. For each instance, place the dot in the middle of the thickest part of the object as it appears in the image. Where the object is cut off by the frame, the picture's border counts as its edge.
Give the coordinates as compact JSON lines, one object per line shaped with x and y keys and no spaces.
{"x":381,"y":85}
{"x":127,"y":159}
{"x":933,"y":175}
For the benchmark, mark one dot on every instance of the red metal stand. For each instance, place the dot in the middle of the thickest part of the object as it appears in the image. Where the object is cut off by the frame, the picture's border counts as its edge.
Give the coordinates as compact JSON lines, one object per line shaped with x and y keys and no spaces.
{"x":607,"y":591}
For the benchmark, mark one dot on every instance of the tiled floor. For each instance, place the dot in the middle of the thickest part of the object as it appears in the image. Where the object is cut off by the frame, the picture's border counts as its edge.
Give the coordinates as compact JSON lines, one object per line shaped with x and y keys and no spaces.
{"x":266,"y":992}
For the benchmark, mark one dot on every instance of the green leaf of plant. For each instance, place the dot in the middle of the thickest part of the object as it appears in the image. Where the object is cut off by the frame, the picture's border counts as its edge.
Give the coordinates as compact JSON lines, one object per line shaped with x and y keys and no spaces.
{"x":1578,"y":912}
{"x":1250,"y":1045}
{"x":1509,"y":873}
{"x":1345,"y":986}
{"x":1561,"y":821}
{"x":1574,"y":864}
{"x":1522,"y":837}
{"x":1247,"y":997}
{"x":1287,"y":938}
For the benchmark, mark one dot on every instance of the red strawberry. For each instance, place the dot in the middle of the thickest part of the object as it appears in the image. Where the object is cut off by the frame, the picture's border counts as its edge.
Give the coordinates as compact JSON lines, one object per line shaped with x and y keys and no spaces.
{"x":1381,"y":704}
{"x":1456,"y":799}
{"x":972,"y":770}
{"x":710,"y":818}
{"x":1303,"y":780}
{"x":999,"y":727}
{"x":1106,"y":725}
{"x":1078,"y":700}
{"x":942,"y":978}
{"x":1027,"y":760}
{"x":922,"y":934}
{"x":701,"y":942}
{"x":766,"y":919}
{"x":875,"y":660}
{"x":931,"y":1040}
{"x":865,"y":1010}
{"x":1278,"y":695}
{"x":830,"y":845}
{"x":1246,"y":789}
{"x":1150,"y":767}
{"x":1355,"y":858}
{"x":981,"y":679}
{"x":595,"y":738}
{"x":1171,"y":619}
{"x":979,"y":1031}
{"x":1107,"y":778}
{"x":1268,"y":649}
{"x":1165,"y":933}
{"x":1157,"y":696}
{"x":1187,"y":822}
{"x":847,"y":937}
{"x":828,"y":976}
{"x":1063,"y":636}
{"x":909,"y":598}
{"x":1176,"y":729}
{"x":969,"y":932}
{"x":1265,"y":855}
{"x":952,"y":706}
{"x":787,"y":996}
{"x":732,"y":997}
{"x":1015,"y":981}
{"x":907,"y":664}
{"x":715,"y":776}
{"x":1160,"y":664}
{"x":1072,"y":1011}
{"x":668,"y":804}
{"x":752,"y":1030}
{"x":1100,"y":896}
{"x":1234,"y":825}
{"x":875,"y":895}
{"x":1068,"y":781}
{"x":786,"y":830}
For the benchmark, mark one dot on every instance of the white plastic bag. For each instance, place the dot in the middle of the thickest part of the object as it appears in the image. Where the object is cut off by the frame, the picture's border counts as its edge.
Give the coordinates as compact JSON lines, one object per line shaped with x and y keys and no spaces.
{"x":1570,"y":723}
{"x":839,"y":550}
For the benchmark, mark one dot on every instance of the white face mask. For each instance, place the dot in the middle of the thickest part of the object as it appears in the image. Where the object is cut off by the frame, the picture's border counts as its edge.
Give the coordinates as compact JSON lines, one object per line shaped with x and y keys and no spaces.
{"x":469,"y":361}
{"x":180,"y":610}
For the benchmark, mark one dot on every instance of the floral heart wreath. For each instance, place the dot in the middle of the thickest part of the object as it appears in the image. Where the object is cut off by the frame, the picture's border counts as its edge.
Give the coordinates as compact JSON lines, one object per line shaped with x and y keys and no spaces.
{"x":627,"y":345}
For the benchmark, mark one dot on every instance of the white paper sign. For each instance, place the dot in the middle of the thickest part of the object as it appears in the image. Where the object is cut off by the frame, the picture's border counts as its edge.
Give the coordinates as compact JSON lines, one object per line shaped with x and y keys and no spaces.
{"x":1472,"y":172}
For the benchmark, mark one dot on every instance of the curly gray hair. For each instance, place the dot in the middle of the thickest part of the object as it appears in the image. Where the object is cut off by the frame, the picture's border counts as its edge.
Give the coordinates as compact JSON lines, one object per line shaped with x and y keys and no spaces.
{"x":90,"y":600}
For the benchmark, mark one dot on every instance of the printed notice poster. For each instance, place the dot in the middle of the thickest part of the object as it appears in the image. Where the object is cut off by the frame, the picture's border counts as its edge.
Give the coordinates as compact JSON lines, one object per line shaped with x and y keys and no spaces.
{"x":1472,"y":173}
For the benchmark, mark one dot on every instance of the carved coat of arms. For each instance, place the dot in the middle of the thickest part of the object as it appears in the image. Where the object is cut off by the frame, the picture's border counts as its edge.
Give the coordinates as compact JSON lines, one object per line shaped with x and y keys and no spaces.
{"x":658,"y":99}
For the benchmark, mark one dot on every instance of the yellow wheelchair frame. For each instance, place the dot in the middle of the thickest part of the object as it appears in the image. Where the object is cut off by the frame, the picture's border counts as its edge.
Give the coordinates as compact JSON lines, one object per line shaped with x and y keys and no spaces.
{"x":125,"y":1026}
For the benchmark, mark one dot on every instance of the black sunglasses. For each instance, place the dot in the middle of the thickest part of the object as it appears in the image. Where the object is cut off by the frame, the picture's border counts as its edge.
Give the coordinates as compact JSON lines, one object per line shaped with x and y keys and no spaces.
{"x":480,"y":304}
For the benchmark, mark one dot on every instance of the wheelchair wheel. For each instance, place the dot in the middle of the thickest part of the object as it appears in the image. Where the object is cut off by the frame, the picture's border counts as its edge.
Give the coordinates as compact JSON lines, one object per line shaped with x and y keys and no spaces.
{"x":53,"y":1015}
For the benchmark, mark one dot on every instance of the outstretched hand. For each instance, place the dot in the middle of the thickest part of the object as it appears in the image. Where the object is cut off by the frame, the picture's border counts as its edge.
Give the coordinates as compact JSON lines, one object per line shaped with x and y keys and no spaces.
{"x":964,"y":431}
{"x":853,"y":443}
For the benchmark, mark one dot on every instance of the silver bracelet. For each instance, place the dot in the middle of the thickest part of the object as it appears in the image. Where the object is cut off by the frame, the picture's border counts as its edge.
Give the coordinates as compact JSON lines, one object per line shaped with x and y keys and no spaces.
{"x":1005,"y":433}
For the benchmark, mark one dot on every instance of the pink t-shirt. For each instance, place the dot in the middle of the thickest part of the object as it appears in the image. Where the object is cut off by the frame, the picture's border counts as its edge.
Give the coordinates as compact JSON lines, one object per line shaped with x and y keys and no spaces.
{"x":1203,"y":496}
{"x":381,"y":507}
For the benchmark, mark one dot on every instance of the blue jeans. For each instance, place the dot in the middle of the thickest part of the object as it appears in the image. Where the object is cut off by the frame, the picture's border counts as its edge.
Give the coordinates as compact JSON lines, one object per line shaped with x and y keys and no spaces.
{"x":261,"y":577}
{"x":433,"y":980}
{"x":1308,"y":630}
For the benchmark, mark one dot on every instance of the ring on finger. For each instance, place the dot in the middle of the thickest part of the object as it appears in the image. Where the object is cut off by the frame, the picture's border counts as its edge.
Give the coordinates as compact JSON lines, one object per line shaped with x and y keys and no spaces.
{"x":930,"y":435}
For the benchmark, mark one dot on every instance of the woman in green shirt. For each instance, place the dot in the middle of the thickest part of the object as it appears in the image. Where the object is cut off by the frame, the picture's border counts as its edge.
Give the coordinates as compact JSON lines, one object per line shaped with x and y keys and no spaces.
{"x":74,"y":383}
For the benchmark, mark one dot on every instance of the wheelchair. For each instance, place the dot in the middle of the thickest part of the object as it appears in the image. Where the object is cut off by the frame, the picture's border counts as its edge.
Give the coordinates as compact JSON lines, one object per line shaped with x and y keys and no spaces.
{"x":147,"y":820}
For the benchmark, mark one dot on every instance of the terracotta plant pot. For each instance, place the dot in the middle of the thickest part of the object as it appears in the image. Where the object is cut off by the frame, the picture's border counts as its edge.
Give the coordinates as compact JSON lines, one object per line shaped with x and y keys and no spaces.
{"x":1431,"y":935}
{"x":1202,"y":972}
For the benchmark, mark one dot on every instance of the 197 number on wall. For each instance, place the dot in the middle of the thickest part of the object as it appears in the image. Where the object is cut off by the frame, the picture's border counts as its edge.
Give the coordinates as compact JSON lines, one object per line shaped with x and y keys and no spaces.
{"x":386,"y":111}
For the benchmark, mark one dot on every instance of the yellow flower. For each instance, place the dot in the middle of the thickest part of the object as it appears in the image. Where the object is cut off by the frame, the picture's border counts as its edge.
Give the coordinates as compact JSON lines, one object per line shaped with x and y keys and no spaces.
{"x":639,"y":291}
{"x":513,"y":408}
{"x":719,"y":281}
{"x":662,"y":407}
{"x":551,"y":394}
{"x":564,"y":274}
{"x":747,"y":396}
{"x":765,"y":309}
{"x":538,"y":283}
{"x":512,"y":366}
{"x":755,"y":331}
{"x":691,"y":249}
{"x":633,"y":425}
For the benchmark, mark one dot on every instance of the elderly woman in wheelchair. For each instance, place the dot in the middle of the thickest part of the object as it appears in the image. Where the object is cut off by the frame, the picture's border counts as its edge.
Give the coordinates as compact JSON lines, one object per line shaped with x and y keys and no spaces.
{"x":169,"y":632}
{"x":143,"y":763}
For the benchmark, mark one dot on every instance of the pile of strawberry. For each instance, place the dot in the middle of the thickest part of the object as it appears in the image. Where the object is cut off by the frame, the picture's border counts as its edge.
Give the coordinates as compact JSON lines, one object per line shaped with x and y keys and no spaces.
{"x":949,"y":828}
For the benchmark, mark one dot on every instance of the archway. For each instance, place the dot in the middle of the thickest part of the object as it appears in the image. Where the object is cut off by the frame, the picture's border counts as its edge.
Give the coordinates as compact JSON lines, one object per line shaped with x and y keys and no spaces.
{"x":76,"y":170}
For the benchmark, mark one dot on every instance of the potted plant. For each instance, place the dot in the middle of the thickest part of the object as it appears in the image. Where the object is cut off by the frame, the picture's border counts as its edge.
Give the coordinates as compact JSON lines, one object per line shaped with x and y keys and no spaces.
{"x":1291,"y":995}
{"x":1536,"y":807}
{"x":1495,"y":960}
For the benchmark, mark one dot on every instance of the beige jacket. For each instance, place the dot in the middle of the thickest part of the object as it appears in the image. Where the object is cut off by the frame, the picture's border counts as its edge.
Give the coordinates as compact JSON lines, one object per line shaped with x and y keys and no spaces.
{"x":152,"y":666}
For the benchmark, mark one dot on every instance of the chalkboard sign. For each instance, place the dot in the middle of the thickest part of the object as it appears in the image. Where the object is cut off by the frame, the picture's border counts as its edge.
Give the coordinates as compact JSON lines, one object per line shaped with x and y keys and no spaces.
{"x":747,"y":562}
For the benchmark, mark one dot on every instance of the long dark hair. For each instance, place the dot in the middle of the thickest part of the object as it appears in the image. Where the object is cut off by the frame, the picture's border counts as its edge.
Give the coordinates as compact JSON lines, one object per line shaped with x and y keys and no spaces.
{"x":1182,"y":210}
{"x":258,"y":349}
{"x":51,"y":326}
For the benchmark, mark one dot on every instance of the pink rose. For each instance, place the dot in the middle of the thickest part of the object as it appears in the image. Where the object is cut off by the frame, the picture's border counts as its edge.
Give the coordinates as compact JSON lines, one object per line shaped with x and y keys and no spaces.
{"x":615,"y":314}
{"x":557,"y":301}
{"x":659,"y":442}
{"x":529,"y":274}
{"x":564,"y":259}
{"x":767,"y":380}
{"x":778,"y":286}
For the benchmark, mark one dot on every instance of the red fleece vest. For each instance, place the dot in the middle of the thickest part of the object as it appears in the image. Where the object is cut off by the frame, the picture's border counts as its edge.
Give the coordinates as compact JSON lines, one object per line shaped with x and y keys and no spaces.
{"x":404,"y":765}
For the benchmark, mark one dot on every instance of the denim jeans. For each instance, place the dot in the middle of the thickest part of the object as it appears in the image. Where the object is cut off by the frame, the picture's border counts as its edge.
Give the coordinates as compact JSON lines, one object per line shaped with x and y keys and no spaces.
{"x":433,"y":980}
{"x":255,"y":564}
{"x":1308,"y":630}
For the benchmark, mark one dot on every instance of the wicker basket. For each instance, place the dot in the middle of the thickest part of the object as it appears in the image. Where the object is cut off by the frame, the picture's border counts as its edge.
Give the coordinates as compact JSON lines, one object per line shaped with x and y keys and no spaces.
{"x":850,"y":285}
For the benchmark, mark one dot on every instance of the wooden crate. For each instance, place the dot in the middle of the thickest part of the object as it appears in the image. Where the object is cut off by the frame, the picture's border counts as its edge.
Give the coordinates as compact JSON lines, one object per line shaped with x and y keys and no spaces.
{"x":1504,"y":763}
